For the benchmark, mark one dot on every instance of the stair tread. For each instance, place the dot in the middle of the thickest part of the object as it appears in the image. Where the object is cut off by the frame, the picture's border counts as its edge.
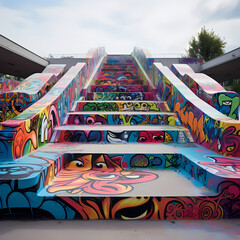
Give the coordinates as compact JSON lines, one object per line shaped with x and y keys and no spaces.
{"x":177,"y":184}
{"x":123,"y":128}
{"x":151,"y":148}
{"x":122,"y":113}
{"x":124,"y":101}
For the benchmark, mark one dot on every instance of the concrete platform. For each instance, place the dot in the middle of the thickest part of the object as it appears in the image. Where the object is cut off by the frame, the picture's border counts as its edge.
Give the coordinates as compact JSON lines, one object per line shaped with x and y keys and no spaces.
{"x":121,"y":230}
{"x":166,"y":183}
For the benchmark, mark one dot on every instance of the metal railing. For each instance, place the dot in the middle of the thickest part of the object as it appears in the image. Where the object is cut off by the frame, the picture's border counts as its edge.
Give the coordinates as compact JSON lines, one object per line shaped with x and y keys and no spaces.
{"x":167,"y":55}
{"x":67,"y":55}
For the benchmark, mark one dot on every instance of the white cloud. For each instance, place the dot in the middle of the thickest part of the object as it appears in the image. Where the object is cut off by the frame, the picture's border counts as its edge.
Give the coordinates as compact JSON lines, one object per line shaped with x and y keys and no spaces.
{"x":75,"y":26}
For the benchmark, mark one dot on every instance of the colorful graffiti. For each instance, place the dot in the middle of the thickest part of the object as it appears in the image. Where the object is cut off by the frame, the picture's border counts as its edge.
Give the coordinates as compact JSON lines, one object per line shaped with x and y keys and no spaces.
{"x":96,"y":174}
{"x":208,"y":127}
{"x":208,"y":90}
{"x":119,"y":82}
{"x":127,"y":208}
{"x":66,"y":179}
{"x":28,"y":92}
{"x":122,"y":96}
{"x":142,"y":106}
{"x":119,"y":88}
{"x":35,"y":125}
{"x":7,"y":85}
{"x":123,"y":136}
{"x":120,"y":119}
{"x":224,"y":166}
{"x":100,"y":175}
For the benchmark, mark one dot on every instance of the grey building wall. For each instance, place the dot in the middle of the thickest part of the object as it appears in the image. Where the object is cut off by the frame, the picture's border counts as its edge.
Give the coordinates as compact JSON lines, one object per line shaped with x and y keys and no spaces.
{"x":194,"y":63}
{"x":69,"y":61}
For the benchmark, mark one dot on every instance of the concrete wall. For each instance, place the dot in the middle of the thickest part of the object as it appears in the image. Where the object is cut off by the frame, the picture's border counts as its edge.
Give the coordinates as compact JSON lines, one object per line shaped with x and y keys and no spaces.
{"x":194,"y":63}
{"x":70,"y":62}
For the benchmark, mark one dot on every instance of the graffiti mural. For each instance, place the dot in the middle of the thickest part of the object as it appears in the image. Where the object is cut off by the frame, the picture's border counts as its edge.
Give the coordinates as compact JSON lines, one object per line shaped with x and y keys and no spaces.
{"x":208,"y":127}
{"x":124,"y":96}
{"x":119,"y":88}
{"x":208,"y":90}
{"x":119,"y":82}
{"x":56,"y":161}
{"x":34,"y":126}
{"x":100,"y":175}
{"x":96,"y":174}
{"x":7,"y":85}
{"x":120,"y":119}
{"x":142,"y":106}
{"x":29,"y":91}
{"x":111,"y":136}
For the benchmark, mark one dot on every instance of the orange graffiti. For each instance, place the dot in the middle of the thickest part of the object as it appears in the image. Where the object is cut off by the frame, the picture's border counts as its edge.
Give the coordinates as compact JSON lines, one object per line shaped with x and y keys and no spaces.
{"x":188,"y":119}
{"x":100,"y":176}
{"x":21,"y":139}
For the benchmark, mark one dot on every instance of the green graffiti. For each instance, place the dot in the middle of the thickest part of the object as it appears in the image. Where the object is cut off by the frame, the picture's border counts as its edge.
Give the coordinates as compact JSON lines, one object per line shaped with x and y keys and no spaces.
{"x":102,"y":106}
{"x":233,"y":102}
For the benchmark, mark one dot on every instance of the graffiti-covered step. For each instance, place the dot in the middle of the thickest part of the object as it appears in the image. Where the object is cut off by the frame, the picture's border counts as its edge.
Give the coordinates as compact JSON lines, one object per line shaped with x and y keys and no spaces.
{"x":143,"y":106}
{"x":96,"y":96}
{"x":118,"y":68}
{"x":124,"y":69}
{"x":120,"y":171}
{"x":117,"y":77}
{"x":112,"y":74}
{"x":200,"y":163}
{"x":120,"y":118}
{"x":119,"y":82}
{"x":122,"y":183}
{"x":122,"y":134}
{"x":90,"y":170}
{"x":196,"y":163}
{"x":119,"y":88}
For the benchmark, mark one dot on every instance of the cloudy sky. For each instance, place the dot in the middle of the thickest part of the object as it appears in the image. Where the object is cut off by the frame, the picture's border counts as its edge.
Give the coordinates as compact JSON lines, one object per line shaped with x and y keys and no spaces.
{"x":74,"y":26}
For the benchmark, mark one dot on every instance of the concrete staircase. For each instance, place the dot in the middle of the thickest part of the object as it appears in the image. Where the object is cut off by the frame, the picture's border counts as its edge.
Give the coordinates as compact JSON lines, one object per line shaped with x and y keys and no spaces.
{"x":121,"y":154}
{"x":120,"y":136}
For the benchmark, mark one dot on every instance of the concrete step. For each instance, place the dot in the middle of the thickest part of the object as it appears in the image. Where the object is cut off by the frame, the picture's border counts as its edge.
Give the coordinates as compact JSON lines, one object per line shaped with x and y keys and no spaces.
{"x":122,"y":106}
{"x":120,"y":118}
{"x":122,"y":69}
{"x":118,"y":82}
{"x":122,"y":183}
{"x":121,"y":134}
{"x":198,"y":164}
{"x":120,"y":96}
{"x":119,"y":88}
{"x":110,"y":74}
{"x":119,"y":67}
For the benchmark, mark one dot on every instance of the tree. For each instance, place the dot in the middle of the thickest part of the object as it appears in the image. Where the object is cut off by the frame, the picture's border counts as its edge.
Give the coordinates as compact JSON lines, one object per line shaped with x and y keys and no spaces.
{"x":236,"y":86}
{"x":207,"y":45}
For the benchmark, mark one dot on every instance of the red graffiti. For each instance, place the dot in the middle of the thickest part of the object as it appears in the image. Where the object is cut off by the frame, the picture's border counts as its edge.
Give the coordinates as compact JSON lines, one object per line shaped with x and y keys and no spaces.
{"x":148,"y":136}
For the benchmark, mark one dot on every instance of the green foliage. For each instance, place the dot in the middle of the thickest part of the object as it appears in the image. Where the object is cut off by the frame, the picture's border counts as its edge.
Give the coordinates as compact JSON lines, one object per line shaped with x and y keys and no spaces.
{"x":236,"y":86}
{"x":207,"y":45}
{"x":10,"y":77}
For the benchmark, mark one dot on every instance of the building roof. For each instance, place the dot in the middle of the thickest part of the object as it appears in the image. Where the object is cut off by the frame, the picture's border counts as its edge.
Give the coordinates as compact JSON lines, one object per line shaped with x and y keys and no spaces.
{"x":19,"y":61}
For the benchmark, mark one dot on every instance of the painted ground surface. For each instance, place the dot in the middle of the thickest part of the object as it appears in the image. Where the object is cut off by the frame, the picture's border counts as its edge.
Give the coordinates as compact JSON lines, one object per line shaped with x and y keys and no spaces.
{"x":119,"y":137}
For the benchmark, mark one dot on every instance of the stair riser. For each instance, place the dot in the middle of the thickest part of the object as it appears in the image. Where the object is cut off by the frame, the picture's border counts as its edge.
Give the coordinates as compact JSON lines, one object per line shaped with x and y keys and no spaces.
{"x":122,"y":106}
{"x":113,"y":75}
{"x":121,"y":137}
{"x":108,"y":96}
{"x":126,"y":161}
{"x":128,"y":208}
{"x":117,"y":76}
{"x":119,"y":82}
{"x":121,"y":70}
{"x":120,"y":119}
{"x":120,"y":88}
{"x":118,"y":66}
